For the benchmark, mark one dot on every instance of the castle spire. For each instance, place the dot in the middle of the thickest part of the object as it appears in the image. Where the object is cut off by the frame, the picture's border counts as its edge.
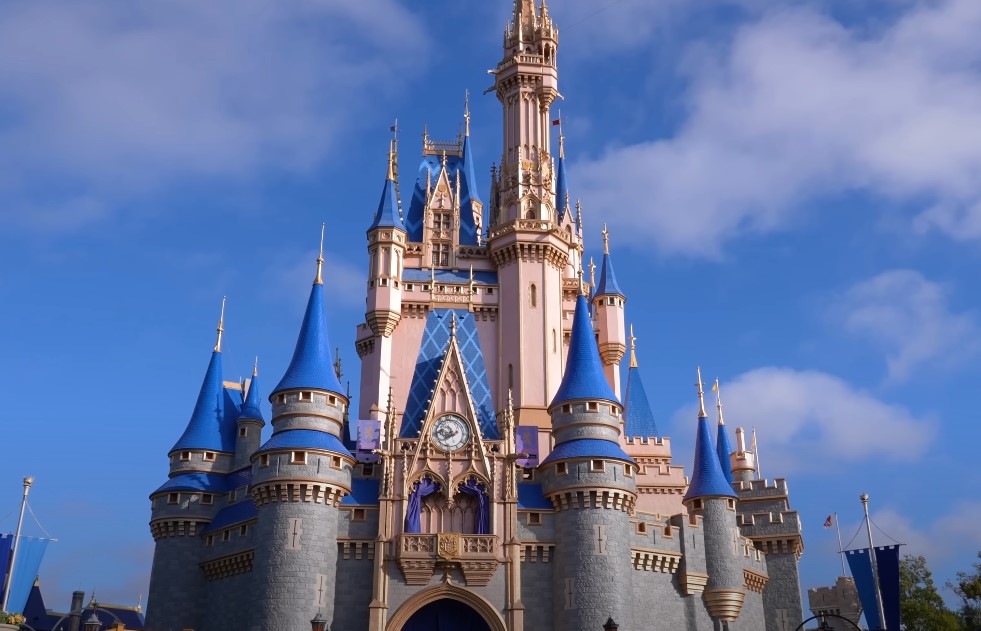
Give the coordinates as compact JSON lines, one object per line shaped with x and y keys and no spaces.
{"x":221,"y":324}
{"x":722,"y":445}
{"x":707,"y":477}
{"x":466,"y":114}
{"x":638,"y":419}
{"x":207,"y":427}
{"x":583,"y":377}
{"x":561,"y":181}
{"x":312,"y":363}
{"x":633,"y":348}
{"x":608,"y":279}
{"x":701,"y":394}
{"x":251,"y":408}
{"x":319,"y":280}
{"x":387,"y":215}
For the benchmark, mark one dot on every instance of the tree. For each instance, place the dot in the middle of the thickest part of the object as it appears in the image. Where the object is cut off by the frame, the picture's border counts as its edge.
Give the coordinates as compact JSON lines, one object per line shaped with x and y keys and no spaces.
{"x":920,"y":605}
{"x":968,"y":587}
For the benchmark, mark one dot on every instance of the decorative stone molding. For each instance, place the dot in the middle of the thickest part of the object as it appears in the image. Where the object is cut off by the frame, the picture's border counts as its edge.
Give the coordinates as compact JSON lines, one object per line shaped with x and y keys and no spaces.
{"x":383,"y":322}
{"x":754,"y":581}
{"x":652,"y":560}
{"x":361,"y":549}
{"x":693,"y":582}
{"x":593,"y":498}
{"x":305,"y":492}
{"x":175,"y":528}
{"x":238,"y":563}
{"x":723,"y":603}
{"x":537,"y":552}
{"x":476,"y":556}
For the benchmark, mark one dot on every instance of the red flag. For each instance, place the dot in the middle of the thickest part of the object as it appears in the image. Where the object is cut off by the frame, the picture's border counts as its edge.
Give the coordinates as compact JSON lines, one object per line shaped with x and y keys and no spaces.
{"x":557,"y":121}
{"x":828,"y":522}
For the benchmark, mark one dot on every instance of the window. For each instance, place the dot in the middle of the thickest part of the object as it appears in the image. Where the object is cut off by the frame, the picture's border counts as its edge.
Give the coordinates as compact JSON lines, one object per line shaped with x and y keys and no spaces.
{"x":332,"y":400}
{"x":592,"y":406}
{"x":207,"y":498}
{"x":244,"y":530}
{"x":696,"y":504}
{"x":628,"y":471}
{"x":306,"y":396}
{"x":534,"y":519}
{"x":209,"y":456}
{"x":243,"y":431}
{"x":358,"y":514}
{"x":597,"y":465}
{"x":367,"y":470}
{"x":211,"y":540}
{"x":533,"y":295}
{"x":281,"y":399}
{"x":232,"y":495}
{"x":641,"y":528}
{"x":730,"y":503}
{"x":527,"y":474}
{"x":173,"y":498}
{"x":555,"y":341}
{"x":441,"y":221}
{"x":299,"y":457}
{"x":567,"y":409}
{"x":225,"y":536}
{"x":264,"y":460}
{"x":335,"y":462}
{"x":185,"y":456}
{"x":490,"y":291}
{"x":441,"y":254}
{"x":562,"y":468}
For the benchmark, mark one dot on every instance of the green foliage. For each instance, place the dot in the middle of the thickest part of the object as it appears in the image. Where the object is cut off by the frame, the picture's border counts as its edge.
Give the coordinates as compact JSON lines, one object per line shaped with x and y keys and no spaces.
{"x":968,"y":587}
{"x":920,"y":605}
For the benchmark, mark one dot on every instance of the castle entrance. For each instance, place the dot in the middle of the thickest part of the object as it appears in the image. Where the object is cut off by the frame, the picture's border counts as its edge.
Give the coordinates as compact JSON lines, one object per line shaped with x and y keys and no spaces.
{"x":446,"y":614}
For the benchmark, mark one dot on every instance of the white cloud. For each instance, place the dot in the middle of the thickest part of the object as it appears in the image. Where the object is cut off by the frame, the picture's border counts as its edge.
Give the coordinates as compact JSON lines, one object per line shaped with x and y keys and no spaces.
{"x":119,"y":98}
{"x":799,"y":107}
{"x":811,"y":412}
{"x":909,"y":318}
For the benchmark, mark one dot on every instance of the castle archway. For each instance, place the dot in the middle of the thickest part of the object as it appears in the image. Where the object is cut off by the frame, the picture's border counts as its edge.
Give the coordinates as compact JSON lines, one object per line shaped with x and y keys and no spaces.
{"x":446,"y":608}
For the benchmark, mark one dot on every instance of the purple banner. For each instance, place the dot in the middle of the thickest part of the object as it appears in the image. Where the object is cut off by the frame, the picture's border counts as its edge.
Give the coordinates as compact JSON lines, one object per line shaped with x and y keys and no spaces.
{"x":526,"y":441}
{"x":369,"y":438}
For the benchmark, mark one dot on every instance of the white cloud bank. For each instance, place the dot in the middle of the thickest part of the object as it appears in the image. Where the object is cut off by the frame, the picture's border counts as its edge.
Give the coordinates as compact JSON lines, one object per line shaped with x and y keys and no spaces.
{"x":809,"y":412}
{"x":908,"y":317}
{"x":800,"y":107}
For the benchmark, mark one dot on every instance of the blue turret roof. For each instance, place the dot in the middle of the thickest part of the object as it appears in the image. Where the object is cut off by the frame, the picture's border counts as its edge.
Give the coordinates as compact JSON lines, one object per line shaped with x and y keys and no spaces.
{"x":468,"y":172}
{"x":607,"y":285}
{"x":587,"y":448}
{"x":707,"y":479}
{"x":723,"y":449}
{"x":305,"y":439}
{"x":251,"y":409}
{"x":312,"y":365}
{"x":388,"y":214}
{"x":637,"y":415}
{"x":561,"y":188}
{"x":583,"y":378}
{"x":208,"y":428}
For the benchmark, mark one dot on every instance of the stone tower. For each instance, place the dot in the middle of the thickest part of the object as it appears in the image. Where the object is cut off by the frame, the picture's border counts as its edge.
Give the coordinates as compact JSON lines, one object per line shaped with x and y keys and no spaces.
{"x":608,"y":304}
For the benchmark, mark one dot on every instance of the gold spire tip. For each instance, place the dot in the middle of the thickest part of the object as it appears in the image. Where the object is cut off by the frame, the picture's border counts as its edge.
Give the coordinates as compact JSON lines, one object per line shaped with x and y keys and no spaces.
{"x":701,"y":394}
{"x":221,"y":324}
{"x":255,"y":367}
{"x":718,"y":399}
{"x":606,"y":240}
{"x":633,"y":348}
{"x":319,"y":280}
{"x":466,"y":113}
{"x":391,"y":161}
{"x":592,"y":272}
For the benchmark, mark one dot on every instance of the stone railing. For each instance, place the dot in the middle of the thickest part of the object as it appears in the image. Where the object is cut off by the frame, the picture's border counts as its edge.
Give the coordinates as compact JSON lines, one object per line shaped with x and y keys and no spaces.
{"x":475,"y":555}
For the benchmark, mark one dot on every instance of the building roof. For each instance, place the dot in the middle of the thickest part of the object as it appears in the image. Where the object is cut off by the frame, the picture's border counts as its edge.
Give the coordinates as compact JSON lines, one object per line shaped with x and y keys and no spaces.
{"x":587,"y":448}
{"x":232,"y":514}
{"x":364,"y":492}
{"x":305,"y":439}
{"x":209,"y":427}
{"x":637,"y":414}
{"x":530,"y":496}
{"x":239,"y":477}
{"x":707,"y":479}
{"x":435,"y":342}
{"x":583,"y":377}
{"x":432,"y":165}
{"x":723,"y":449}
{"x":312,"y":365}
{"x":204,"y":482}
{"x":251,"y":408}
{"x":607,"y":285}
{"x":388,"y":214}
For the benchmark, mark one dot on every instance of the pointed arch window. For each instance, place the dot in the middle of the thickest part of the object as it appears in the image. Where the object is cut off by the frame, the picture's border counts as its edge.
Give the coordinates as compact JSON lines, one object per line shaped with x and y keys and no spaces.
{"x":533,"y":295}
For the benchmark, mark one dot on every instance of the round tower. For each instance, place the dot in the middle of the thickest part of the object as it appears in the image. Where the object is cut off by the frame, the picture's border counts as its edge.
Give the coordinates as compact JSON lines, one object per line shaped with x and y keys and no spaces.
{"x":299,"y":477}
{"x":249,"y":424}
{"x":742,"y":461}
{"x":591,"y":483}
{"x":608,"y":305}
{"x":711,"y":497}
{"x":188,"y":501}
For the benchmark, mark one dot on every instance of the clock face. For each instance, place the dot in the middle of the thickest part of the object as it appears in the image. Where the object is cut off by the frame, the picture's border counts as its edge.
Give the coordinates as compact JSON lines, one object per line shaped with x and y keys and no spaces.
{"x":450,"y":432}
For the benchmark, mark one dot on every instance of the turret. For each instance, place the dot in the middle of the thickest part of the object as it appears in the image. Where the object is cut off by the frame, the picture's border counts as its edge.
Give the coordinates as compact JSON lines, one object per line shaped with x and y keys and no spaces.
{"x":637,"y":414}
{"x":188,"y":501}
{"x":249,"y":423}
{"x":742,"y":461}
{"x":608,"y":306}
{"x":711,"y":497}
{"x":591,"y":483}
{"x":722,"y":447}
{"x":299,"y":476}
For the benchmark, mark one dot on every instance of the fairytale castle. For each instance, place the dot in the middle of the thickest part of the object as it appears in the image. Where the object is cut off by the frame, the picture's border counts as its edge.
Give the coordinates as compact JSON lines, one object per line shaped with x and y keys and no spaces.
{"x":502,"y":477}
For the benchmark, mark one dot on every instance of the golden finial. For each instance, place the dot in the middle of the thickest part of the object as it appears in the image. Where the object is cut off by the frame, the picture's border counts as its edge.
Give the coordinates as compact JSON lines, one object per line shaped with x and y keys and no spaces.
{"x":718,"y":398}
{"x":701,"y":395}
{"x":319,"y":280}
{"x":561,"y":141}
{"x":592,"y":272}
{"x":425,"y":135}
{"x":466,"y":114}
{"x":391,"y":161}
{"x":443,"y":160}
{"x":452,"y":325}
{"x":255,"y":367}
{"x":221,"y":324}
{"x":578,"y":215}
{"x":606,"y":240}
{"x":633,"y":348}
{"x":582,"y":285}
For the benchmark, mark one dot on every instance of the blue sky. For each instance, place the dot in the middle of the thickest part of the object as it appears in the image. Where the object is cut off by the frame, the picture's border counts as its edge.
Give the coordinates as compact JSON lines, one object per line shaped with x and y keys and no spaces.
{"x":792,"y":190}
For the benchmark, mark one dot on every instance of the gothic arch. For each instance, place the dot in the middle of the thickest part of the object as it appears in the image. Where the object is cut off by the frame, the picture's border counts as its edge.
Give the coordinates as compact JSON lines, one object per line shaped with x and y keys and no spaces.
{"x":478,"y":603}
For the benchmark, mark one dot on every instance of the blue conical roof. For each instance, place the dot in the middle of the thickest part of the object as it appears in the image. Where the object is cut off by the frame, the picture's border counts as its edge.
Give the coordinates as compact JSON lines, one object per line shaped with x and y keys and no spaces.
{"x":723,"y":449}
{"x":312,"y":365}
{"x":251,"y":409}
{"x":583,"y":378}
{"x":707,"y":479}
{"x":470,"y":176}
{"x":561,"y":188}
{"x":607,"y":285}
{"x":637,"y":415}
{"x":205,"y":429}
{"x":388,"y":215}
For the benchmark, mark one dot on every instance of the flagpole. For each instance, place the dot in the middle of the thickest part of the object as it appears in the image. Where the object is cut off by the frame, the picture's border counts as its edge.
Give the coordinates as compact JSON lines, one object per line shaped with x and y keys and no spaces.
{"x":28,"y":481}
{"x":875,"y":565}
{"x":757,"y":454}
{"x":841,"y":553}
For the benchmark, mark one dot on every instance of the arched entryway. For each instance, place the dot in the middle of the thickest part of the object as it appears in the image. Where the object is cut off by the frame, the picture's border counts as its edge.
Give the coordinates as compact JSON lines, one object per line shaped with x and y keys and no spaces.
{"x":446,"y":607}
{"x":446,"y":614}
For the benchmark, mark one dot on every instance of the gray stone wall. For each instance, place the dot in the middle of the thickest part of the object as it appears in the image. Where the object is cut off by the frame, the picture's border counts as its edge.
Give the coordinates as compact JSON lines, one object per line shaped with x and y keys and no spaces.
{"x":781,"y":597}
{"x":723,"y":556}
{"x":657,"y":603}
{"x":229,"y":604}
{"x":752,"y":616}
{"x":352,"y":592}
{"x":176,"y":585}
{"x":536,"y":591}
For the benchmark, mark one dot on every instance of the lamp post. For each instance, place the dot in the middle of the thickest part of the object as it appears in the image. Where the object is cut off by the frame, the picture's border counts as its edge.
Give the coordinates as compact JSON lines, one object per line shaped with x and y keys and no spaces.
{"x":319,"y":623}
{"x":93,"y":623}
{"x":610,"y":625}
{"x":28,"y":481}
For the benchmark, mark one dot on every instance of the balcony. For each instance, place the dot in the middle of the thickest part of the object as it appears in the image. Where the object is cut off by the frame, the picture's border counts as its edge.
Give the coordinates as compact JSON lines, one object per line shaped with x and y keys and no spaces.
{"x":476,"y":556}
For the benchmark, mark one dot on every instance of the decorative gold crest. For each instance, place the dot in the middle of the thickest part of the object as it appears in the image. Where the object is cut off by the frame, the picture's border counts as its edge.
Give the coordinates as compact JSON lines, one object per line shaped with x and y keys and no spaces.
{"x":448,"y":545}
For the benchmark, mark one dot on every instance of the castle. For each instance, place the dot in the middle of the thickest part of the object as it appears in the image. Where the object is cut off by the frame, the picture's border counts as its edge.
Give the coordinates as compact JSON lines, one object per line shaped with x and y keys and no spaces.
{"x":502,"y":477}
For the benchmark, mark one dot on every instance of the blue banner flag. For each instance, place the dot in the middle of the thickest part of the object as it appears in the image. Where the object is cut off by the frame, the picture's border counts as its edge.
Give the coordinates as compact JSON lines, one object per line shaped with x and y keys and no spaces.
{"x":369,"y":435}
{"x":887,"y":560}
{"x":30,"y":551}
{"x":526,"y":441}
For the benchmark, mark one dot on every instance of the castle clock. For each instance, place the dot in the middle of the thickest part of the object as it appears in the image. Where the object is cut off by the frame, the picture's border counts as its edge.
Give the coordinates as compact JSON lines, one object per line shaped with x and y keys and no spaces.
{"x":450,"y":432}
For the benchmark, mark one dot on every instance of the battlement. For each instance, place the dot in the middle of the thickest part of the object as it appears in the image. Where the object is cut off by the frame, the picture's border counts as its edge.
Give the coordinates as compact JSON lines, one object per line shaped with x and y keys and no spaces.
{"x":648,"y":446}
{"x":762,"y":488}
{"x":783,"y":519}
